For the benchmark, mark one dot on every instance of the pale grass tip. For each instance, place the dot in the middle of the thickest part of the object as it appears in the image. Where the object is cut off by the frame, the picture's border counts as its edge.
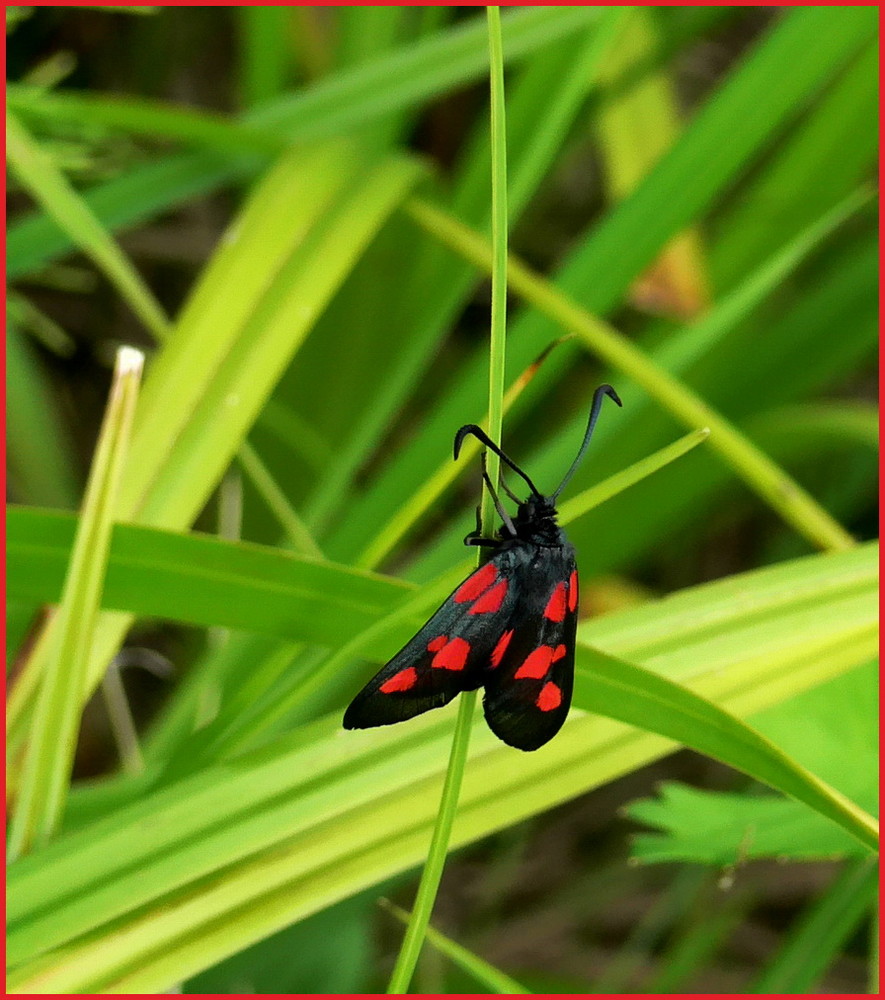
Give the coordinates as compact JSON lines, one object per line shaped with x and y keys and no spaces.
{"x":130,"y":361}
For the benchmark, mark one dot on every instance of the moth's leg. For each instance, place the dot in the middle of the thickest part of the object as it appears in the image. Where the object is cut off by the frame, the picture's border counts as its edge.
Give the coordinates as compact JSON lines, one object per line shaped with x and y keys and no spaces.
{"x":473,"y":539}
{"x":499,"y":507}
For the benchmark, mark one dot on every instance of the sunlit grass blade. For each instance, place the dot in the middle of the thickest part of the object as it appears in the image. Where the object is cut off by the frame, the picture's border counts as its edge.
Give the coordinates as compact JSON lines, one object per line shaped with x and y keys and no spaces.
{"x":478,"y":968}
{"x":608,"y":488}
{"x":630,"y":694}
{"x":194,"y":577}
{"x":431,"y":874}
{"x":319,"y":815}
{"x":53,"y":733}
{"x":35,"y":170}
{"x":261,"y":478}
{"x":772,"y":483}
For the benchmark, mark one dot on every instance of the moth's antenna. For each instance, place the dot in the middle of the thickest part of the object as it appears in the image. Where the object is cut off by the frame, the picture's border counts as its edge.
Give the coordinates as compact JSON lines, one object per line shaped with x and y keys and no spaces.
{"x":603,"y":390}
{"x":481,"y":435}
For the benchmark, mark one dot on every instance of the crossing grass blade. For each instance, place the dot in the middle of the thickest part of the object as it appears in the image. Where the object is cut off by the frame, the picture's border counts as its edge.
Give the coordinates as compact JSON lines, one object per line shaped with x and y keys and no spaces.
{"x":240,"y":849}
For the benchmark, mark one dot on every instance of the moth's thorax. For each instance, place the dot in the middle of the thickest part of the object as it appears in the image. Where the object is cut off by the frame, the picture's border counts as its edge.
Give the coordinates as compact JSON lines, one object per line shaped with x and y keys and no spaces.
{"x":535,"y":521}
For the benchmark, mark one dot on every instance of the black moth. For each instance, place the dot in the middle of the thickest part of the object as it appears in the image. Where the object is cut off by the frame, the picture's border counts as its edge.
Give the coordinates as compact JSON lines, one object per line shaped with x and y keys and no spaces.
{"x":509,"y":627}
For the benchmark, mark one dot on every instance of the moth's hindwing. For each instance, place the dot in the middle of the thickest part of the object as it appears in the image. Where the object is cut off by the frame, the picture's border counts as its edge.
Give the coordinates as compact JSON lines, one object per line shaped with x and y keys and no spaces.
{"x":450,"y":654}
{"x":528,"y":687}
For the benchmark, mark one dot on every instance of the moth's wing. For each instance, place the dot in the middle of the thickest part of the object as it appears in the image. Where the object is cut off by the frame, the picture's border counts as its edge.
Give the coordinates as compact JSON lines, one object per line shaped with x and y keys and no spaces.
{"x":449,"y":654}
{"x":529,"y":690}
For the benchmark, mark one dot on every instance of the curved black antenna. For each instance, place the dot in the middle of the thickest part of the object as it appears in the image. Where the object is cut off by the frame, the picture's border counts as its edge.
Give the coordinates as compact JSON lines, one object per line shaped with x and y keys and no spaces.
{"x":603,"y":390}
{"x":481,"y":435}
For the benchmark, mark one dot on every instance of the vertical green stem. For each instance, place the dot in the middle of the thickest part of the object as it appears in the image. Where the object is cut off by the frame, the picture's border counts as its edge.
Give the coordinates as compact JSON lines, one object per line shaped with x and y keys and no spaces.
{"x":436,"y":855}
{"x":49,"y":756}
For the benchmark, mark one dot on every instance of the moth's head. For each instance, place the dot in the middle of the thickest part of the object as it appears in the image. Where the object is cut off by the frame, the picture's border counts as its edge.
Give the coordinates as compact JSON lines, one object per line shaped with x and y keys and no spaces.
{"x":535,"y":508}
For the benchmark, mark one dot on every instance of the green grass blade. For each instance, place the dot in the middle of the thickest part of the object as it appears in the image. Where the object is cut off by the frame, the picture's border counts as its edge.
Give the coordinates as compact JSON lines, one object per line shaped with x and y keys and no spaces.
{"x":611,"y":487}
{"x":265,"y":53}
{"x":53,"y":734}
{"x":193,"y":577}
{"x":482,"y":971}
{"x":553,"y":89}
{"x":240,"y":329}
{"x":431,"y":874}
{"x":36,"y":171}
{"x":37,"y":441}
{"x":261,"y":478}
{"x":287,"y":829}
{"x":636,"y":128}
{"x":796,"y":58}
{"x":622,"y":691}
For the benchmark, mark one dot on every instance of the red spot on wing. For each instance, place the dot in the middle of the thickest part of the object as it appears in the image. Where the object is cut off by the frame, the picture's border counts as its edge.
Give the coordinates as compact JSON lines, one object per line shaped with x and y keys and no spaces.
{"x":555,"y":609}
{"x":491,"y":600}
{"x":437,"y":643}
{"x":558,"y":653}
{"x":501,"y":648}
{"x":573,"y":590}
{"x":402,"y":681}
{"x":536,"y":664}
{"x":474,"y":585}
{"x":453,"y":655}
{"x":549,"y":698}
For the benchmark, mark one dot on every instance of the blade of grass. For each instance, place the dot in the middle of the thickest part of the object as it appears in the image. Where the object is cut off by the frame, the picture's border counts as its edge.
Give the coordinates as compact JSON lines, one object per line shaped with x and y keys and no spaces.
{"x":431,"y":875}
{"x":478,"y":968}
{"x":608,"y":488}
{"x":53,"y":735}
{"x":551,"y":90}
{"x":164,"y":574}
{"x":313,"y":818}
{"x":36,"y":172}
{"x":296,"y":530}
{"x":636,"y":129}
{"x":771,"y":483}
{"x":38,"y":442}
{"x":264,"y":52}
{"x":614,"y":688}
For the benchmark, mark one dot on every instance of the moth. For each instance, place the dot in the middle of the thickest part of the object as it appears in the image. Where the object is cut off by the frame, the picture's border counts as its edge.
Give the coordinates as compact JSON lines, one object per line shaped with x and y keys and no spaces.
{"x":508,"y":628}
